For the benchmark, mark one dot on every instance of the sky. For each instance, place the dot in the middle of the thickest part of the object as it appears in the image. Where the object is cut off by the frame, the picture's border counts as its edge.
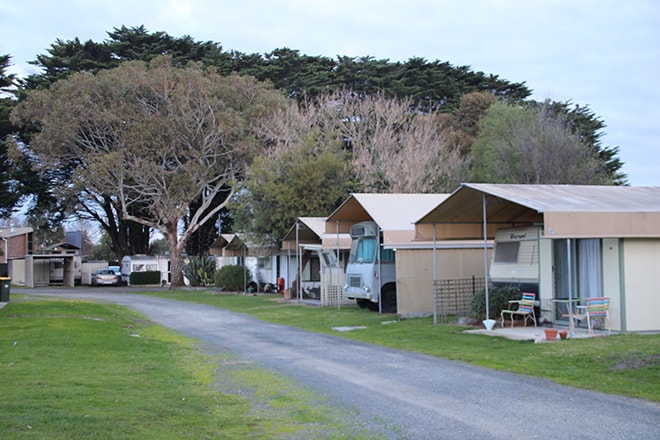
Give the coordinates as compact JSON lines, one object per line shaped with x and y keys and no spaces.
{"x":604,"y":54}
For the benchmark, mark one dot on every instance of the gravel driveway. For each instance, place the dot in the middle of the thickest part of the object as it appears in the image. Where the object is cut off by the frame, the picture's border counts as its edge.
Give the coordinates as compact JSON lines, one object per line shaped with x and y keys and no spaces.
{"x":408,"y":395}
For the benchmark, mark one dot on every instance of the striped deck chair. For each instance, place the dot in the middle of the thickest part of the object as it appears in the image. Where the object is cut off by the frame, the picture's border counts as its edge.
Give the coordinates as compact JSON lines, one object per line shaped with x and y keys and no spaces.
{"x":525,"y":309}
{"x":596,"y":309}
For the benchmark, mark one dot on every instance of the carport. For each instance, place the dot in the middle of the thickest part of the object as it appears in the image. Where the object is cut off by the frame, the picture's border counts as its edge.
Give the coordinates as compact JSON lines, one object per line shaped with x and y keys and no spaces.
{"x":68,"y":259}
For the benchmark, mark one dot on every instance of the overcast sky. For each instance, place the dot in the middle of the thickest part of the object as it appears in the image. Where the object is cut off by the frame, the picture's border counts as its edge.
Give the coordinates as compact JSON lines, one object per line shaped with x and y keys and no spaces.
{"x":601,"y":53}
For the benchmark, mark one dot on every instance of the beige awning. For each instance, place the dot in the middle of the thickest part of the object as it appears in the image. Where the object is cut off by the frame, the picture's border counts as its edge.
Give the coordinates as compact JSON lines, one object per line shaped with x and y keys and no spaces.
{"x":565,"y":211}
{"x":395,"y":214}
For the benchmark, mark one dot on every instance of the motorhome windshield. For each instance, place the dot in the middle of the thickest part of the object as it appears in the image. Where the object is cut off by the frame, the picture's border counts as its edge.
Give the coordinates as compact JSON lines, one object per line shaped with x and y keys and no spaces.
{"x":363,"y":250}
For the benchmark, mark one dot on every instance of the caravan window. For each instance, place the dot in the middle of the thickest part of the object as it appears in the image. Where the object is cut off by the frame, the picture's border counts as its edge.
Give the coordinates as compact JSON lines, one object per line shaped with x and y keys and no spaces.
{"x":507,"y":252}
{"x":387,"y":255}
{"x":263,"y":263}
{"x":329,"y":259}
{"x":363,"y":250}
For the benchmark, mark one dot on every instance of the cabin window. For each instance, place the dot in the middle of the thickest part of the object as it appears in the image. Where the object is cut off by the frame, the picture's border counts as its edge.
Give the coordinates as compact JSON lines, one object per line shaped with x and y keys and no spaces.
{"x":507,"y":252}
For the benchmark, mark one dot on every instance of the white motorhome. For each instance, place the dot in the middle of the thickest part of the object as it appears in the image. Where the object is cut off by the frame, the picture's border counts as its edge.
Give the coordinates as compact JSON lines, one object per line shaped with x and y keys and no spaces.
{"x":515,"y":259}
{"x":371,"y":270}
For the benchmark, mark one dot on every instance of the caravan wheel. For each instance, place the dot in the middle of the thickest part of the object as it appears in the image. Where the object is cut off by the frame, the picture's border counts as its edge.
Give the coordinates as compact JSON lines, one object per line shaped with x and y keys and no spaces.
{"x":362,"y":303}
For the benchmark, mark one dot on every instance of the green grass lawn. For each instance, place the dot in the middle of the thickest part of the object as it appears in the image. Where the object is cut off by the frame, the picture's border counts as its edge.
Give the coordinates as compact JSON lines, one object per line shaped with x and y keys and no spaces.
{"x":627,"y":364}
{"x":81,"y":370}
{"x":76,"y":369}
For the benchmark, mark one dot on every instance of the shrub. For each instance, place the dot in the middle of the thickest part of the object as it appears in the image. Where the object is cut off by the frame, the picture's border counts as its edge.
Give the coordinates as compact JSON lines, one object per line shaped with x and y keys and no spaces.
{"x":232,"y":277}
{"x":498,"y":300}
{"x":149,"y":277}
{"x":200,"y":271}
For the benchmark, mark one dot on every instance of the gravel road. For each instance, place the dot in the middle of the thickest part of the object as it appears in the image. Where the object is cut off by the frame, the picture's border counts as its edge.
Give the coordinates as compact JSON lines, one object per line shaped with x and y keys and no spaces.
{"x":406,"y":395}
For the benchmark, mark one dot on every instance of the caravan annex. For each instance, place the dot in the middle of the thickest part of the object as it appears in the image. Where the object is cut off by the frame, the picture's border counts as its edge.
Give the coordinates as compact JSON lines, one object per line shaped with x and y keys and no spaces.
{"x":316,"y":258}
{"x":416,"y":265}
{"x":594,"y":241}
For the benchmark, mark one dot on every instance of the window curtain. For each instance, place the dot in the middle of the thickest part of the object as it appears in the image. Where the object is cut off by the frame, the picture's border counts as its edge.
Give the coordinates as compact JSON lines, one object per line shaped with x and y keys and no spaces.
{"x":560,"y":269}
{"x":366,"y":250}
{"x":589,"y":268}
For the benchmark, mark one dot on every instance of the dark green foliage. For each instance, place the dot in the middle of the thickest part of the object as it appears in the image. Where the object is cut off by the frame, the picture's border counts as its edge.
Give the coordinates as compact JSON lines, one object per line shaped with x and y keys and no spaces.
{"x":435,"y":85}
{"x":498,"y":300}
{"x":200,"y":271}
{"x":9,"y":168}
{"x":67,"y":57}
{"x":142,"y":278}
{"x":123,"y":44}
{"x":232,"y":278}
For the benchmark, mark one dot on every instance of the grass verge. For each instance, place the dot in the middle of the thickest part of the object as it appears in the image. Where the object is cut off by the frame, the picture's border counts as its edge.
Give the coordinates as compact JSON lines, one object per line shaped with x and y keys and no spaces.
{"x":627,"y":364}
{"x":75,"y":369}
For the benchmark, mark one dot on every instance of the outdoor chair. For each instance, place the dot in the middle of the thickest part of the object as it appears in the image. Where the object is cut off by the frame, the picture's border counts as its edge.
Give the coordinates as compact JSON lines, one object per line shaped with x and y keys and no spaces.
{"x":525,"y":309}
{"x":596,"y":309}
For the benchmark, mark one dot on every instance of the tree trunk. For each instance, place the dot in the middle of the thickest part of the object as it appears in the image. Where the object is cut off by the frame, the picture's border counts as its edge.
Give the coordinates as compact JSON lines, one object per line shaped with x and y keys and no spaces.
{"x":176,"y":261}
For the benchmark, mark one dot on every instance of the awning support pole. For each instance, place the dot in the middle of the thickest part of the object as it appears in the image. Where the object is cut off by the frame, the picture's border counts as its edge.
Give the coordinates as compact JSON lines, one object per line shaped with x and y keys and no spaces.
{"x":486,"y":256}
{"x":435,"y":280}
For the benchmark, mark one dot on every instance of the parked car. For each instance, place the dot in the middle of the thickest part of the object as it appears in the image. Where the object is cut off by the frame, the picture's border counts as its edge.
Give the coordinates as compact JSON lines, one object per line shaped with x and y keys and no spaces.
{"x":105,"y":277}
{"x":115,"y":269}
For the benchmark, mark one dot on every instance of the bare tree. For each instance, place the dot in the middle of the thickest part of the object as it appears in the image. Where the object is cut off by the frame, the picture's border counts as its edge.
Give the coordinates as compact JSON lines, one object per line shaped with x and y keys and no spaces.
{"x":394,"y":148}
{"x":154,"y":137}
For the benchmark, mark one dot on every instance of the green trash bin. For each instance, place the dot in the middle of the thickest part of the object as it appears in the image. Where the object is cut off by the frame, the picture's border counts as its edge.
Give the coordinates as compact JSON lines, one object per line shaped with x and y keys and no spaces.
{"x":5,"y":284}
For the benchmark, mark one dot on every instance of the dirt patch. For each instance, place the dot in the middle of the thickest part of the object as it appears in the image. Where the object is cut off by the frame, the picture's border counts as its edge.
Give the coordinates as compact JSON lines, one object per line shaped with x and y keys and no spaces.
{"x":638,"y":362}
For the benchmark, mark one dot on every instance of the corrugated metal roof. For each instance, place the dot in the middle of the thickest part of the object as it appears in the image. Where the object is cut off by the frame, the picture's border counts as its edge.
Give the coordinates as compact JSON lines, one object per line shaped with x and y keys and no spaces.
{"x":511,"y":203}
{"x":576,"y":198}
{"x":392,"y":212}
{"x":564,"y":210}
